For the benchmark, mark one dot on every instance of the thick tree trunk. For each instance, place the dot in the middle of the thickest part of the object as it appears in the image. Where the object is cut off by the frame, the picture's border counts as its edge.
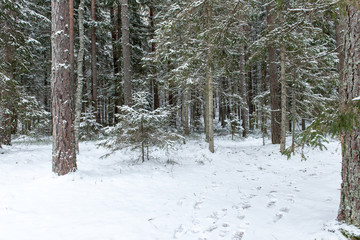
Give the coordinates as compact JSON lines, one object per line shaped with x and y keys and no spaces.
{"x":80,"y":78}
{"x":283,"y":100}
{"x":274,"y":83}
{"x":126,"y":52}
{"x":64,"y":153}
{"x":349,"y":210}
{"x":209,"y":82}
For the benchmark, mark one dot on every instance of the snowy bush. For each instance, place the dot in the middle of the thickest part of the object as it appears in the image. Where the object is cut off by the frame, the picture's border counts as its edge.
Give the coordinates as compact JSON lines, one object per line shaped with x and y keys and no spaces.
{"x":89,"y":127}
{"x":32,"y":116}
{"x":139,"y":127}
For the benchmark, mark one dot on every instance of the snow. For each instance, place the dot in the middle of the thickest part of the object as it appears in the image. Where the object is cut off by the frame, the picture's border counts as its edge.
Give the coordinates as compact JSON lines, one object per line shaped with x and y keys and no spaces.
{"x":243,"y":191}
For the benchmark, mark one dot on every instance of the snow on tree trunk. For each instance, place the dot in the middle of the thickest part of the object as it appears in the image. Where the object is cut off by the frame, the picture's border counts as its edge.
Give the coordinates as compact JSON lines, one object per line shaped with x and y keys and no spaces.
{"x":80,"y":78}
{"x":283,"y":100}
{"x":126,"y":51}
{"x":349,"y":210}
{"x":274,"y":83}
{"x":244,"y":109}
{"x":93,"y":61}
{"x":209,"y":83}
{"x":64,"y":153}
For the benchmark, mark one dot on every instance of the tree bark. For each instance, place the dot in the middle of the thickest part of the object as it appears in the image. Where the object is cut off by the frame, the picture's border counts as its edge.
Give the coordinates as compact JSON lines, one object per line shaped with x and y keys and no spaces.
{"x":126,"y":52}
{"x":93,"y":62}
{"x":80,"y":78}
{"x":209,"y":82}
{"x":274,"y":83}
{"x":244,"y":108}
{"x":155,"y":87}
{"x":283,"y":100}
{"x":349,"y":210}
{"x":64,"y":153}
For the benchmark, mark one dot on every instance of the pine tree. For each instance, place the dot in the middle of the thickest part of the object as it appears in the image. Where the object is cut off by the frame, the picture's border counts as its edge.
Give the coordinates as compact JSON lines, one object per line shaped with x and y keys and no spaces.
{"x":349,"y":201}
{"x":64,"y":153}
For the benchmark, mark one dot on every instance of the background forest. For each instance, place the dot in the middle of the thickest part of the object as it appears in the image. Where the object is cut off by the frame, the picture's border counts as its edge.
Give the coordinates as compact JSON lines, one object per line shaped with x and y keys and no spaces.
{"x":272,"y":65}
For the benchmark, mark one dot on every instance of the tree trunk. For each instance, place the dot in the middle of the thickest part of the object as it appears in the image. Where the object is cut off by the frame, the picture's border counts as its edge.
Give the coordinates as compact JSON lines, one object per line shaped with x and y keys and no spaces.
{"x":80,"y":78}
{"x":126,"y":51}
{"x":64,"y":153}
{"x":209,"y":82}
{"x":274,"y":83}
{"x":93,"y":62}
{"x":244,"y":109}
{"x":155,"y":87}
{"x":349,"y":210}
{"x":283,"y":100}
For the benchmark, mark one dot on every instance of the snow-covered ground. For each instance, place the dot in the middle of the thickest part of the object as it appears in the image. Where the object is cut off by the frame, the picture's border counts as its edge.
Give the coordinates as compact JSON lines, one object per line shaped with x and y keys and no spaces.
{"x":243,"y":191}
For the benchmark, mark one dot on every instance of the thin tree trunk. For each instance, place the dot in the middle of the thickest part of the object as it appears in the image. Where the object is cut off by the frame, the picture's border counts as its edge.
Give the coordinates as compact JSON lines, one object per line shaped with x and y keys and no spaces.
{"x":209,"y":78}
{"x":64,"y":152}
{"x":155,"y":87}
{"x":349,"y":210}
{"x":80,"y":78}
{"x":244,"y":108}
{"x":274,"y":83}
{"x":126,"y":52}
{"x":93,"y":62}
{"x":283,"y":100}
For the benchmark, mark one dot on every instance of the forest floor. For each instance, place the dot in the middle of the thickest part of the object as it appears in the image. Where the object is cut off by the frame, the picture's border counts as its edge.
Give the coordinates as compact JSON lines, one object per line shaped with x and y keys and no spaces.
{"x":243,"y":191}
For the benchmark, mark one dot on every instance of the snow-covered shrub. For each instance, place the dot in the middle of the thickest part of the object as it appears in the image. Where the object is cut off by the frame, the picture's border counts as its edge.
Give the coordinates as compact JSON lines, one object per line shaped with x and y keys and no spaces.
{"x":234,"y":124}
{"x":32,"y":116}
{"x":89,"y":127}
{"x":139,"y":127}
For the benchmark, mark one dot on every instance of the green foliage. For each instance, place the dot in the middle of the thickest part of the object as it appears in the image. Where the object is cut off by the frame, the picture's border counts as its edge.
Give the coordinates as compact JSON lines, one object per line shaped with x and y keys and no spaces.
{"x":332,"y":122}
{"x":139,"y":127}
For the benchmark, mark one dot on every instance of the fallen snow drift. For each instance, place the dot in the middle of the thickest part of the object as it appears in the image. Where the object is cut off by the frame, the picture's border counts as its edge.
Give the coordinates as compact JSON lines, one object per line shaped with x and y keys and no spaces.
{"x":243,"y":191}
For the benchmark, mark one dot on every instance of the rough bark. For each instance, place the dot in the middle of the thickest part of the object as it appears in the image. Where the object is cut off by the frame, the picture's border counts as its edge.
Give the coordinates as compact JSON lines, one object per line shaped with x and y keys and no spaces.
{"x":244,"y":109}
{"x":349,"y":210}
{"x":155,"y":87}
{"x":126,"y":51}
{"x":93,"y":61}
{"x":274,"y":83}
{"x":64,"y":153}
{"x":80,"y":78}
{"x":283,"y":100}
{"x":209,"y":83}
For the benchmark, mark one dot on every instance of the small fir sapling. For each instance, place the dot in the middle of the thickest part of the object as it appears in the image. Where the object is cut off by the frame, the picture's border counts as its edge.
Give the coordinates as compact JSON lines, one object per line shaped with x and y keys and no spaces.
{"x":140,"y":127}
{"x":89,"y":127}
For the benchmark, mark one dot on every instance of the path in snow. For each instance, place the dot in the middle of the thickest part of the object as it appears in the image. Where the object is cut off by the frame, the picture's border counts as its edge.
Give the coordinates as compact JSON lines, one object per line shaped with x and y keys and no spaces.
{"x":244,"y":191}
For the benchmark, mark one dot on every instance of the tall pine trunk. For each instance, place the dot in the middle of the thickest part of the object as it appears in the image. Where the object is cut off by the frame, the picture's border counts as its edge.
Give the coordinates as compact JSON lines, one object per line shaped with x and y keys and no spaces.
{"x":349,"y":210}
{"x":80,"y":78}
{"x":93,"y":62}
{"x":209,"y":83}
{"x":126,"y":51}
{"x":283,"y":100}
{"x":242,"y":88}
{"x":274,"y":83}
{"x":64,"y":153}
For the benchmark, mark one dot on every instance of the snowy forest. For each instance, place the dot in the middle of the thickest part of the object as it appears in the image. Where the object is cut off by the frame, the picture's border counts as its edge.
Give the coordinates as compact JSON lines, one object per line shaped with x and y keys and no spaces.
{"x":192,"y":119}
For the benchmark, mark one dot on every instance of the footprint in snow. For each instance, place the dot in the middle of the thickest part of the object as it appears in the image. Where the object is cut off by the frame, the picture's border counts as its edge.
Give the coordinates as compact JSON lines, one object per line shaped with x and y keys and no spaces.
{"x":272,"y":203}
{"x":281,"y":213}
{"x":238,"y":235}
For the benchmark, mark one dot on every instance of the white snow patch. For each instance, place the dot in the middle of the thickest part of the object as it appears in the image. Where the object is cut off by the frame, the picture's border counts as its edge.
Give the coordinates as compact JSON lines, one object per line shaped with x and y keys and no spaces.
{"x":243,"y":191}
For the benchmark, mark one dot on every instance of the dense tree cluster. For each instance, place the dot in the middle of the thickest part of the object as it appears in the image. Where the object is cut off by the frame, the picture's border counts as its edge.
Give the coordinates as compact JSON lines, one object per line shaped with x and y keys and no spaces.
{"x":240,"y":67}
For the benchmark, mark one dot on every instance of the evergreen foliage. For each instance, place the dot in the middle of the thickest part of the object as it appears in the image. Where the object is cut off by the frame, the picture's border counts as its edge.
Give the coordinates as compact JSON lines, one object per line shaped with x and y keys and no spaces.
{"x":139,"y":127}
